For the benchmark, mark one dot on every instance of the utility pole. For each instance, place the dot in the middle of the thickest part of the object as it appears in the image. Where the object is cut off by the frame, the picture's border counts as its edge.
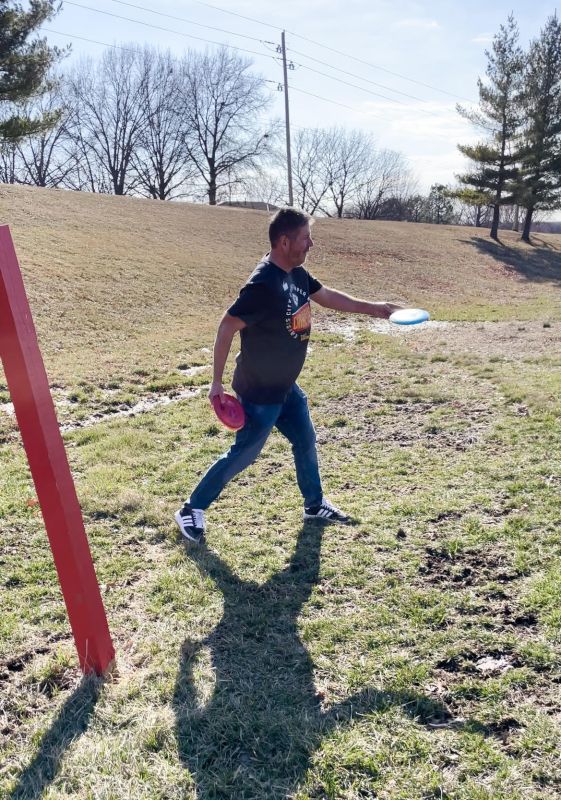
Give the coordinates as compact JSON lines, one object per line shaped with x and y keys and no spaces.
{"x":287,"y":121}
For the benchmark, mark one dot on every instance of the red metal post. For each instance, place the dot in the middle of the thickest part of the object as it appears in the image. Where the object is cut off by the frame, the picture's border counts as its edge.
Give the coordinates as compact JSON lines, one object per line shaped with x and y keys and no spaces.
{"x":29,"y":389}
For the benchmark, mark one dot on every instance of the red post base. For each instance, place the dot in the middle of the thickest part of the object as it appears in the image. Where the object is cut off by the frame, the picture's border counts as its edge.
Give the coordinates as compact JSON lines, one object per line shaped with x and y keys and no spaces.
{"x":35,"y":413}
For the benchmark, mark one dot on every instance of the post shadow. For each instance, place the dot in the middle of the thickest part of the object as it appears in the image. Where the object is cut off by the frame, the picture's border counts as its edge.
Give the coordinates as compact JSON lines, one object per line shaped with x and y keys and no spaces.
{"x":256,"y":735}
{"x":70,"y":723}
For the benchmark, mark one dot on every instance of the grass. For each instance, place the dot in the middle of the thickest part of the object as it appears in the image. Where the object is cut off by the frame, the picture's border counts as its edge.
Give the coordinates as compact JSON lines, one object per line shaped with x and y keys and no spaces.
{"x":413,"y":655}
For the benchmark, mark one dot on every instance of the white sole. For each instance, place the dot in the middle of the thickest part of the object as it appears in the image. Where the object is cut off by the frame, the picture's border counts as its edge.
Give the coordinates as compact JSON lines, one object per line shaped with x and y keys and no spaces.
{"x":183,"y":532}
{"x":325,"y":519}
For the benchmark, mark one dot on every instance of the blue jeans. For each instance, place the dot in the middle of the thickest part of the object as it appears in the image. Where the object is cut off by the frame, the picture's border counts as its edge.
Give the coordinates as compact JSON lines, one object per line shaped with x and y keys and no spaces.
{"x":292,"y":419}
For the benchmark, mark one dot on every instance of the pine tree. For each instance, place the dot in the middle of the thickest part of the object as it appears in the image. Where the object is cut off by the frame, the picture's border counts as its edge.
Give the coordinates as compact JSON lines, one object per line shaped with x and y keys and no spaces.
{"x":499,"y":117}
{"x":24,"y":66}
{"x":539,"y":183}
{"x":439,"y":205}
{"x":477,"y":199}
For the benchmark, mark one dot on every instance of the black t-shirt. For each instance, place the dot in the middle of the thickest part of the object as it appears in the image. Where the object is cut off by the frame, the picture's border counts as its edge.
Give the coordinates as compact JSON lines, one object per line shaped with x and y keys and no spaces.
{"x":275,"y":305}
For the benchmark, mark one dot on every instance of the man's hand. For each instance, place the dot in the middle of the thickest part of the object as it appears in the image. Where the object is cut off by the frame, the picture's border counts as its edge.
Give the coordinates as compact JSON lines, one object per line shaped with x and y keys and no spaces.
{"x":389,"y":308}
{"x":216,"y":389}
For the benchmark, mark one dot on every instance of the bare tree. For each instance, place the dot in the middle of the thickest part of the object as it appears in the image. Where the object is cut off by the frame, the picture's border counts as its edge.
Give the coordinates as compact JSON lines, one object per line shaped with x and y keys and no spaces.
{"x":387,"y":176}
{"x":87,"y":174}
{"x":10,"y":164}
{"x":161,"y":161}
{"x":109,"y":119}
{"x":310,"y":175}
{"x":263,"y":186}
{"x":222,"y":105}
{"x":45,"y":157}
{"x":347,"y":158}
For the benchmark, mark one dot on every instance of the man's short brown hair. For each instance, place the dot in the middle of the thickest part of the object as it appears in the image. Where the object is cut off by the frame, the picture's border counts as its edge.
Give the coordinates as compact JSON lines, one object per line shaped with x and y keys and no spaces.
{"x":286,"y":222}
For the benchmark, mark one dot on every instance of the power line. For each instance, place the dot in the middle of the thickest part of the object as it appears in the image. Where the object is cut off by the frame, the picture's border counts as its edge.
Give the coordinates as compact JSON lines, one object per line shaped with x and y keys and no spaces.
{"x":349,"y":108}
{"x":363,"y":89}
{"x":254,"y":39}
{"x":267,"y":80}
{"x":222,"y":30}
{"x":360,"y":78}
{"x":190,"y":21}
{"x":241,"y":49}
{"x":325,"y":100}
{"x":235,"y":14}
{"x":343,"y":105}
{"x":92,"y":41}
{"x":265,"y":42}
{"x":166,"y":30}
{"x":311,"y":41}
{"x":353,"y":75}
{"x":377,"y":66}
{"x":334,"y":102}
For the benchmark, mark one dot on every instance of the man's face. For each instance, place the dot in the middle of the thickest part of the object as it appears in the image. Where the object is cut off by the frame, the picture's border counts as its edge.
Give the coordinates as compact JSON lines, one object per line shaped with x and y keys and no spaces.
{"x":298,"y":245}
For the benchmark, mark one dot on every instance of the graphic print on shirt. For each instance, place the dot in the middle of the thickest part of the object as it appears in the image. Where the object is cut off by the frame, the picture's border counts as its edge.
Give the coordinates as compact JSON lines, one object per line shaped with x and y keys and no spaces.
{"x":298,"y":313}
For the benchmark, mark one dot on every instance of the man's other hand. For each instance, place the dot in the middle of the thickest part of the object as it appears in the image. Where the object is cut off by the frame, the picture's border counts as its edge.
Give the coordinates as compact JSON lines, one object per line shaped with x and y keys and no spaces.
{"x":389,"y":308}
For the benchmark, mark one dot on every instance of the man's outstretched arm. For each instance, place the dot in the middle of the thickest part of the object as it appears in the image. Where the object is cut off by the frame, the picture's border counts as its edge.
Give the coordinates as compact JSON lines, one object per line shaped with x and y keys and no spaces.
{"x":227,"y":329}
{"x":339,"y":301}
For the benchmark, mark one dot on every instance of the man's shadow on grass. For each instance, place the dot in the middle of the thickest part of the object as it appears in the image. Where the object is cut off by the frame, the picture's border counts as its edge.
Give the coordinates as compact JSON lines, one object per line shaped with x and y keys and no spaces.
{"x":255,"y":736}
{"x":540,"y":264}
{"x":70,"y":723}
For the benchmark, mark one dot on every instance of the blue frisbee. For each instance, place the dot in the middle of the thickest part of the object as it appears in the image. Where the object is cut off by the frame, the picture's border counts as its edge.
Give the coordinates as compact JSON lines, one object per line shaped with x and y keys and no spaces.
{"x":409,"y":316}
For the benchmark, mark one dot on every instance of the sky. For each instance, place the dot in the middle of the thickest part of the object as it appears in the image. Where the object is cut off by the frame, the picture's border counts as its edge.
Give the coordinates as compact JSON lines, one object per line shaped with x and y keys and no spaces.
{"x":393,"y":68}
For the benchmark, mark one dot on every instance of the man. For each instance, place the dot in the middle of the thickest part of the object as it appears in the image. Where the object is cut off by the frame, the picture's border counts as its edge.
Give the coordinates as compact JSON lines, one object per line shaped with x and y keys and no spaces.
{"x":273,"y":317}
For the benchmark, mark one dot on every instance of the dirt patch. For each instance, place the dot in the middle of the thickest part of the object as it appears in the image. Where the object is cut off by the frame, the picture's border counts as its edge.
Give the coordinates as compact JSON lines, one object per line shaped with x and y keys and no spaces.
{"x":412,"y":423}
{"x":462,"y":425}
{"x":21,"y":697}
{"x":486,"y":665}
{"x":503,"y":729}
{"x":464,"y":569}
{"x":18,"y":663}
{"x":518,"y":619}
{"x":509,"y":340}
{"x":7,"y":408}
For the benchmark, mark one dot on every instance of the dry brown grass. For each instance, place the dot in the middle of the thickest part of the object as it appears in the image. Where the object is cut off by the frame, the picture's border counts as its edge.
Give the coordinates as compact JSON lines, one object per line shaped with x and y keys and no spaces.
{"x":120,"y":282}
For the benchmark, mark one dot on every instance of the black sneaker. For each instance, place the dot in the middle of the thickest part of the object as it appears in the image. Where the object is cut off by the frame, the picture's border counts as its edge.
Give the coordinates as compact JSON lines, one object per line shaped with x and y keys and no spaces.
{"x":191,"y":522}
{"x":325,"y":512}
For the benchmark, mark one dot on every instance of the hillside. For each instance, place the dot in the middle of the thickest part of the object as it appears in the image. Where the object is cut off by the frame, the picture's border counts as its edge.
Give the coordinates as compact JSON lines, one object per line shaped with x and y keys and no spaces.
{"x":130,"y":281}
